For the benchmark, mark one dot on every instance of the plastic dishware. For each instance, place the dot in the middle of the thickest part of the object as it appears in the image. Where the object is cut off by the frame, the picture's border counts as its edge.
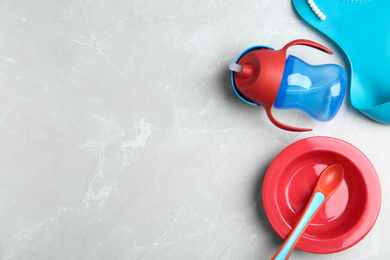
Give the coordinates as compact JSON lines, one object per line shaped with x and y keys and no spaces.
{"x":359,"y":28}
{"x":328,"y":182}
{"x":348,"y":215}
{"x":263,"y":76}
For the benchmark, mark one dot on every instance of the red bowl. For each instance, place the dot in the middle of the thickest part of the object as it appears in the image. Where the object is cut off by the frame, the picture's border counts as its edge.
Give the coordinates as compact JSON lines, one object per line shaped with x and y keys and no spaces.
{"x":346,"y":217}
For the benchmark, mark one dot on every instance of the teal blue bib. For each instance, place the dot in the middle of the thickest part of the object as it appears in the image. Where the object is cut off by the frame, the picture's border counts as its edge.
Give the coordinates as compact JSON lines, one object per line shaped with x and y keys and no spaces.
{"x":362,"y":30}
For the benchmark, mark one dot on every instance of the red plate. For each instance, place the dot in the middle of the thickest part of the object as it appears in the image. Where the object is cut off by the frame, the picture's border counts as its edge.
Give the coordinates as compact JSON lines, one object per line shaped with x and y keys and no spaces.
{"x":346,"y":217}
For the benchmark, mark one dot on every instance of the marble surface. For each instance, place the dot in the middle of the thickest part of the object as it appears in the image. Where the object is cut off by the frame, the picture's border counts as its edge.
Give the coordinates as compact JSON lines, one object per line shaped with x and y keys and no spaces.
{"x":121,"y":136}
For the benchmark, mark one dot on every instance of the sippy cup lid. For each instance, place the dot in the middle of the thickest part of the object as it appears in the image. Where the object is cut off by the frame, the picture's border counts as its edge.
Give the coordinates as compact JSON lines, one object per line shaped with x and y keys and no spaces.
{"x":257,"y":74}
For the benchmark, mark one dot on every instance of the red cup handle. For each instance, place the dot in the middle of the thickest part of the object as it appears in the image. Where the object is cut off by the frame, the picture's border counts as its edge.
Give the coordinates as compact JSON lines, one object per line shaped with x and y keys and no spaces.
{"x":283,"y":126}
{"x":307,"y":43}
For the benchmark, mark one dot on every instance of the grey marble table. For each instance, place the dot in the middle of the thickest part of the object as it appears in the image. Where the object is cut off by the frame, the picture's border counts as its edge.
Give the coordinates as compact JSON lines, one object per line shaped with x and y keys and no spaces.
{"x":121,"y":137}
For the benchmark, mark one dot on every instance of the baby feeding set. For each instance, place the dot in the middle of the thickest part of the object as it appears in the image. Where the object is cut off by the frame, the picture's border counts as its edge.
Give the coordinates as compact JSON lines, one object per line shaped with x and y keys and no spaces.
{"x":335,"y":180}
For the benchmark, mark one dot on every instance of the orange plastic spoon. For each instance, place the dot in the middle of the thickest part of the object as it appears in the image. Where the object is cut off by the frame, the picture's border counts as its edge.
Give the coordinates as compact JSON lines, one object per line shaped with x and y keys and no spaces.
{"x":328,"y":182}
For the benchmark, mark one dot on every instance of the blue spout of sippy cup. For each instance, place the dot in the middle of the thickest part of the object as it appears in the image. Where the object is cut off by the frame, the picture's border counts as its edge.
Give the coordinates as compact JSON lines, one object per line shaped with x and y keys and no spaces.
{"x":315,"y":90}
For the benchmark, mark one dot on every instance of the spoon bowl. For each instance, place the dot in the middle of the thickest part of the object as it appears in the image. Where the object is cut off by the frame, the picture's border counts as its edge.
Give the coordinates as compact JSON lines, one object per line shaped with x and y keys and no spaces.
{"x":330,"y":180}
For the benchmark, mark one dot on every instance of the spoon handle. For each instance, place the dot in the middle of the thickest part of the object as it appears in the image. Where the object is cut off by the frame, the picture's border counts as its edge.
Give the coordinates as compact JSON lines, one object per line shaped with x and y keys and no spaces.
{"x":308,"y":214}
